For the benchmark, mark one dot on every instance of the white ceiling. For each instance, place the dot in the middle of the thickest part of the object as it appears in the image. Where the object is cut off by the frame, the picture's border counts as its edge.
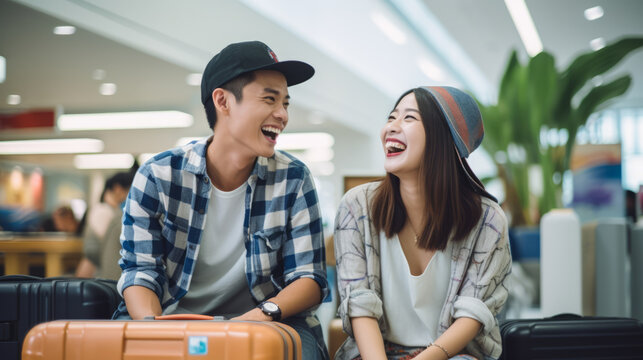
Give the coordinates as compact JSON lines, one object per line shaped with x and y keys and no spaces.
{"x":485,"y":31}
{"x":148,"y":47}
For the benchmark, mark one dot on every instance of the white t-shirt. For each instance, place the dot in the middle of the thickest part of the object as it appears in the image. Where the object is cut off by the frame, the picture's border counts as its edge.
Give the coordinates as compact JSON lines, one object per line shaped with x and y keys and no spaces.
{"x":219,"y":285}
{"x":412,"y":304}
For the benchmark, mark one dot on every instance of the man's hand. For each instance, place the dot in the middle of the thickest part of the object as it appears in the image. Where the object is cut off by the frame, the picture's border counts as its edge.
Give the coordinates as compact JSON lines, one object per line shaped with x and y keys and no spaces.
{"x":253,"y":315}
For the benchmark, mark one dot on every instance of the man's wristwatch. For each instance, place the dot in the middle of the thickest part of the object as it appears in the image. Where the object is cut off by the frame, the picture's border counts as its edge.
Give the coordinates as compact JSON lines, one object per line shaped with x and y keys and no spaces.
{"x":271,"y":309}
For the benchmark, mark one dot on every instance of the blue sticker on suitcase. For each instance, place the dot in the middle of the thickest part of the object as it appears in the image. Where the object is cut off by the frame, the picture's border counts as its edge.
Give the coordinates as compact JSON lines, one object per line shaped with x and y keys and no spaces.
{"x":198,"y":345}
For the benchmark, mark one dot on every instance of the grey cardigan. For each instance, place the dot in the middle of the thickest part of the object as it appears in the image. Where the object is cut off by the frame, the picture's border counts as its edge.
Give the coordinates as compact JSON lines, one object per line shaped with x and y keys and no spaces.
{"x":479,"y":273}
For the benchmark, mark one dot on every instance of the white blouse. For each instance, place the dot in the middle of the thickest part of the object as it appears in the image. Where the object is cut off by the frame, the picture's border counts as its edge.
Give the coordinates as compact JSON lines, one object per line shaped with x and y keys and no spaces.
{"x":412,"y":304}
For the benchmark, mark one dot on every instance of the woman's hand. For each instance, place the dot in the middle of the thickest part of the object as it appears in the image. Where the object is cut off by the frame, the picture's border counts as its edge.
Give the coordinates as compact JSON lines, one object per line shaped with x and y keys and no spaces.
{"x":368,"y":338}
{"x":457,"y":336}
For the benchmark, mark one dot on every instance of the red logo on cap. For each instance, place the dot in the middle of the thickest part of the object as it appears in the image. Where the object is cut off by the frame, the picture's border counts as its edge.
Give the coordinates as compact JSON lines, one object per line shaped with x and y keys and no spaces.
{"x":273,"y":55}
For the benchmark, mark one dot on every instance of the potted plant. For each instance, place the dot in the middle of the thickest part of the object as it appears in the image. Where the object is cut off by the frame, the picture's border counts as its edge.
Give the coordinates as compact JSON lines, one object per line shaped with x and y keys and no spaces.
{"x":534,"y":123}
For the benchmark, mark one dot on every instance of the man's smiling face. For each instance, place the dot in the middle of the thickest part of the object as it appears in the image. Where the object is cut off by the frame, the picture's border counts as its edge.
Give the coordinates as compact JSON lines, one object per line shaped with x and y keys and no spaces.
{"x":256,"y":121}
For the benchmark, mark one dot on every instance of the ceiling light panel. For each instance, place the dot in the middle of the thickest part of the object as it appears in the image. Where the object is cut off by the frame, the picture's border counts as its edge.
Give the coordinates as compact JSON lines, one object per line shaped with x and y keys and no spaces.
{"x":104,"y":161}
{"x":64,"y":30}
{"x":597,"y":44}
{"x":525,"y":25}
{"x":3,"y":69}
{"x":193,"y":79}
{"x":107,"y":89}
{"x":14,"y":99}
{"x":50,"y":146}
{"x":125,"y":120}
{"x":431,"y":70}
{"x":593,"y":13}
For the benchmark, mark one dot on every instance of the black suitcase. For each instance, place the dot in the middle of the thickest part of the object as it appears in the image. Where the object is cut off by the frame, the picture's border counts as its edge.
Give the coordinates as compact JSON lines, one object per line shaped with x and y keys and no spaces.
{"x":569,"y":336}
{"x":26,"y":301}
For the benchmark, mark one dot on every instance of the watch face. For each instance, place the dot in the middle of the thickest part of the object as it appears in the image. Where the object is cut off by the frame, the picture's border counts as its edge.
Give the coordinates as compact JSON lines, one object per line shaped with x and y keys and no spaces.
{"x":271,"y":307}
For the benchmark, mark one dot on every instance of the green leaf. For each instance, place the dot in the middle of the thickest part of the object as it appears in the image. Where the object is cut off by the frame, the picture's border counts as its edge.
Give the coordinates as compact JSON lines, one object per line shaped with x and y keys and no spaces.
{"x":495,"y":137}
{"x":506,"y":82}
{"x":487,"y":179}
{"x":512,"y":97}
{"x":598,"y":96}
{"x":588,"y":106}
{"x":521,"y":181}
{"x":590,"y":64}
{"x":543,"y":90}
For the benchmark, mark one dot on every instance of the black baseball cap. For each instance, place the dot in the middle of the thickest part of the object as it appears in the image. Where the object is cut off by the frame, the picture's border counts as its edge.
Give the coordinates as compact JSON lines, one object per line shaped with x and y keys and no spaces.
{"x":239,"y":58}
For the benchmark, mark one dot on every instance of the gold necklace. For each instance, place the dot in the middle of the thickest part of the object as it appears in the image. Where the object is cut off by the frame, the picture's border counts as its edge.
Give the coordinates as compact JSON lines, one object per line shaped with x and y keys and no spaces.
{"x":415,"y":234}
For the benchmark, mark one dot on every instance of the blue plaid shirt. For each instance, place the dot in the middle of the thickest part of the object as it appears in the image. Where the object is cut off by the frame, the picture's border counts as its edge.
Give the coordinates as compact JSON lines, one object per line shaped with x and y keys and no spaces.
{"x":165,"y":213}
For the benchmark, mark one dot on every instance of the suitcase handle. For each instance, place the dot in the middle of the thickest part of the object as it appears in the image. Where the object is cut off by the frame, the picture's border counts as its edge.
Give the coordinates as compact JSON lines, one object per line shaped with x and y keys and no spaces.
{"x":10,"y":278}
{"x":184,"y":317}
{"x":565,"y":316}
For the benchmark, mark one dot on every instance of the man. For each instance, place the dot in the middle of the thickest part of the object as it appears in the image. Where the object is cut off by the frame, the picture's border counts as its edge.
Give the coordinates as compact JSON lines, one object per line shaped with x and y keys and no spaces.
{"x":227,"y":226}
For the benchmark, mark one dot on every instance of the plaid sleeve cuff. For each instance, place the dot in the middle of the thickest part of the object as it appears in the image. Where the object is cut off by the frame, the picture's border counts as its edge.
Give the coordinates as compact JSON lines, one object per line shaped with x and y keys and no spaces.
{"x":317,"y":276}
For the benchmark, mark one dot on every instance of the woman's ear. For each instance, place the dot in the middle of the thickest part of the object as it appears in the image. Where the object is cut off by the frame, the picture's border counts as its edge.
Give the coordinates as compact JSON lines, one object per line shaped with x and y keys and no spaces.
{"x":220,"y":100}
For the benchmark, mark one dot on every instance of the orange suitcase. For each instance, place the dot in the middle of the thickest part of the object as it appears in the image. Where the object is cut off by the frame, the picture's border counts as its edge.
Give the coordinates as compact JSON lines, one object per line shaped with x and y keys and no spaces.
{"x":160,"y":339}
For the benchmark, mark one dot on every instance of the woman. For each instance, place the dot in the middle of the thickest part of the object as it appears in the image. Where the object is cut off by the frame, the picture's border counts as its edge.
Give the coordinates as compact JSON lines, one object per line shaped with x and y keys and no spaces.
{"x":423,"y":255}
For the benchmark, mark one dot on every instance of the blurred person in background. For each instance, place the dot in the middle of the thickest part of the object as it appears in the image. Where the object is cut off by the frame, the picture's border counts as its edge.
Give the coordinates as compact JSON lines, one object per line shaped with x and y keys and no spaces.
{"x":101,"y":237}
{"x":423,"y":256}
{"x":62,"y":220}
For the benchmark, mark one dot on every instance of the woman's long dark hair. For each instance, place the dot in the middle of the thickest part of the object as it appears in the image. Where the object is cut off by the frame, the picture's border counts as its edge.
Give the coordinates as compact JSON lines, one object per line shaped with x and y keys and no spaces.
{"x":452,"y":203}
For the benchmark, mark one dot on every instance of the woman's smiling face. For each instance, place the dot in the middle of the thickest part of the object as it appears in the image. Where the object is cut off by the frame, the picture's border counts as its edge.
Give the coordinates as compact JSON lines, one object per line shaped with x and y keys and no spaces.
{"x":403,"y":138}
